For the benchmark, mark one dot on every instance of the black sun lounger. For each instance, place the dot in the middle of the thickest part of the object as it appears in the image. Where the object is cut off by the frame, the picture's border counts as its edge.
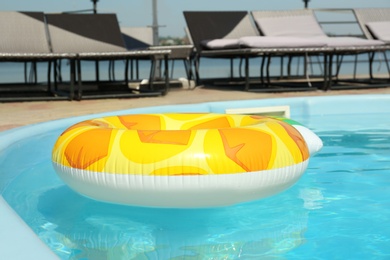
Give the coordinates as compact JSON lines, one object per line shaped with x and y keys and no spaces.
{"x":97,"y":37}
{"x":303,"y":24}
{"x":375,"y":24}
{"x":231,"y":35}
{"x":24,"y":40}
{"x":141,"y":38}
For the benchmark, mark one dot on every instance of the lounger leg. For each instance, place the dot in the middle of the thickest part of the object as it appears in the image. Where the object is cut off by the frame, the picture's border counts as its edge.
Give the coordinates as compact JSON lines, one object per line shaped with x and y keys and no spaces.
{"x":190,"y":71}
{"x":55,"y":76}
{"x":188,"y":68}
{"x":137,"y":68}
{"x":166,"y":75}
{"x":112,"y":70}
{"x":126,"y":72}
{"x":339,"y":62}
{"x":231,"y":69}
{"x":298,"y":65}
{"x":281,"y":67}
{"x":307,"y":72}
{"x":109,"y":70}
{"x":246,"y":73}
{"x":152,"y":74}
{"x":72,"y":78}
{"x":25,"y":72}
{"x":49,"y":77}
{"x":197,"y":64}
{"x":387,"y":63}
{"x":305,"y":67}
{"x":325,"y":84}
{"x":132,"y":69}
{"x":289,"y":66}
{"x":28,"y":79}
{"x":79,"y":79}
{"x":35,"y":72}
{"x":97,"y":72}
{"x":240,"y":69}
{"x":319,"y":65}
{"x":59,"y":71}
{"x":262,"y":71}
{"x":371,"y":60}
{"x":355,"y":66}
{"x":172,"y":68}
{"x":268,"y":66}
{"x":328,"y":72}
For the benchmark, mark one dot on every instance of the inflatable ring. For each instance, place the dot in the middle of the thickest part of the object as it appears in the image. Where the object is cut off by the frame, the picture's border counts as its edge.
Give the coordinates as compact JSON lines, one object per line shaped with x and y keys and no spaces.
{"x":183,"y":160}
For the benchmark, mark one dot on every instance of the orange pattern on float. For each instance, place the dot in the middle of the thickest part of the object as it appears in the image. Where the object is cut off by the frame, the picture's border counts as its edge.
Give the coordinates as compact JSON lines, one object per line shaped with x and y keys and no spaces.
{"x":180,"y":144}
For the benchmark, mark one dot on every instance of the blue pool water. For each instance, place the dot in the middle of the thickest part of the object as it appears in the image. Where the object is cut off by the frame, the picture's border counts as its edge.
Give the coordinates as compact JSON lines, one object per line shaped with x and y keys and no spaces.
{"x":339,"y":209}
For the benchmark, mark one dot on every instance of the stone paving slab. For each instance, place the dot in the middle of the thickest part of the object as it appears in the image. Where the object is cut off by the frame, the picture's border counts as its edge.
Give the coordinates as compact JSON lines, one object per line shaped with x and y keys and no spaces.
{"x":24,"y":113}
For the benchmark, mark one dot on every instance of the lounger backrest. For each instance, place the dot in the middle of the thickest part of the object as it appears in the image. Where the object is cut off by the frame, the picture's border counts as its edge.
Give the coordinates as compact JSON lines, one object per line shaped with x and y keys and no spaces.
{"x":137,"y":37}
{"x":380,"y":30}
{"x":188,"y":35}
{"x":208,"y":25}
{"x":23,"y":32}
{"x":77,"y":33}
{"x":370,"y":15}
{"x":293,"y":23}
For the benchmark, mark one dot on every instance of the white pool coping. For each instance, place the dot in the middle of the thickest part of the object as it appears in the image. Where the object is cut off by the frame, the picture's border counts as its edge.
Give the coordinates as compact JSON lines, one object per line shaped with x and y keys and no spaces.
{"x":18,"y":241}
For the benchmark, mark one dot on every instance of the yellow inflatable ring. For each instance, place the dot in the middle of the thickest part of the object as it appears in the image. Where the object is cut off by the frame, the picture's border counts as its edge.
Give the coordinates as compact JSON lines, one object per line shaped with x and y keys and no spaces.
{"x":183,"y":160}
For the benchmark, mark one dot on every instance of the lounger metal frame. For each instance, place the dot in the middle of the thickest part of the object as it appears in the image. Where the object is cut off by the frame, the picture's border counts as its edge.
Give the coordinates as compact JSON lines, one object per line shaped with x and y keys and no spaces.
{"x":155,"y":57}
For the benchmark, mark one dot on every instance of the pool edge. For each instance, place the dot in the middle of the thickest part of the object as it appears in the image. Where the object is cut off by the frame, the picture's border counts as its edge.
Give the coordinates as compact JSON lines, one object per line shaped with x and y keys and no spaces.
{"x":25,"y":243}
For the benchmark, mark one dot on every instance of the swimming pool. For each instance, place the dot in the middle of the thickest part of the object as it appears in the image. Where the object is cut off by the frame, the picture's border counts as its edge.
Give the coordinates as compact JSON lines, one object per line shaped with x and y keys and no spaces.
{"x":339,"y":209}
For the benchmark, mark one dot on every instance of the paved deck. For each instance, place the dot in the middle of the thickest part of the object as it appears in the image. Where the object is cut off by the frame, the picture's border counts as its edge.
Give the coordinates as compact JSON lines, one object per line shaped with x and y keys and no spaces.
{"x":24,"y":113}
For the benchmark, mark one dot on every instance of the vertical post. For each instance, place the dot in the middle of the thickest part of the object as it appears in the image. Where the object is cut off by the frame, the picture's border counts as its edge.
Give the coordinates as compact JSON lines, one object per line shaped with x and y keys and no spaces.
{"x":95,"y":6}
{"x":155,"y":23}
{"x":155,"y":34}
{"x":306,"y":3}
{"x":96,"y":62}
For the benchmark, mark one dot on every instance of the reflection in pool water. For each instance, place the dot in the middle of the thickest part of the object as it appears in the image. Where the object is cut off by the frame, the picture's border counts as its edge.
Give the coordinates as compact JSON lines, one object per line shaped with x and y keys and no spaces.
{"x":82,"y":227}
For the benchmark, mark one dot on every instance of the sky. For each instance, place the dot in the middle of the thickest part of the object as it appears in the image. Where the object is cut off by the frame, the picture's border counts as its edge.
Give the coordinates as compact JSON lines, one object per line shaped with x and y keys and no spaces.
{"x":138,"y":13}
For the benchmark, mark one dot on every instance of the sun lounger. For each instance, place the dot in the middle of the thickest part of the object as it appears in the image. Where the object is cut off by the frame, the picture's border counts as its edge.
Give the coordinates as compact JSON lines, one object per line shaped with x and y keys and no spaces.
{"x":97,"y":37}
{"x":141,"y":38}
{"x":218,"y":30}
{"x":23,"y":32}
{"x":375,"y":24}
{"x":23,"y":39}
{"x":303,"y":24}
{"x":212,"y":32}
{"x":380,"y":30}
{"x":233,"y":35}
{"x":137,"y":37}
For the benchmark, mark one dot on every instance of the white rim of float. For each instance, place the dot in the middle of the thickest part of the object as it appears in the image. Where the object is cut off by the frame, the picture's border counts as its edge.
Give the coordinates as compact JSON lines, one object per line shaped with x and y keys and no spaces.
{"x":183,"y":191}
